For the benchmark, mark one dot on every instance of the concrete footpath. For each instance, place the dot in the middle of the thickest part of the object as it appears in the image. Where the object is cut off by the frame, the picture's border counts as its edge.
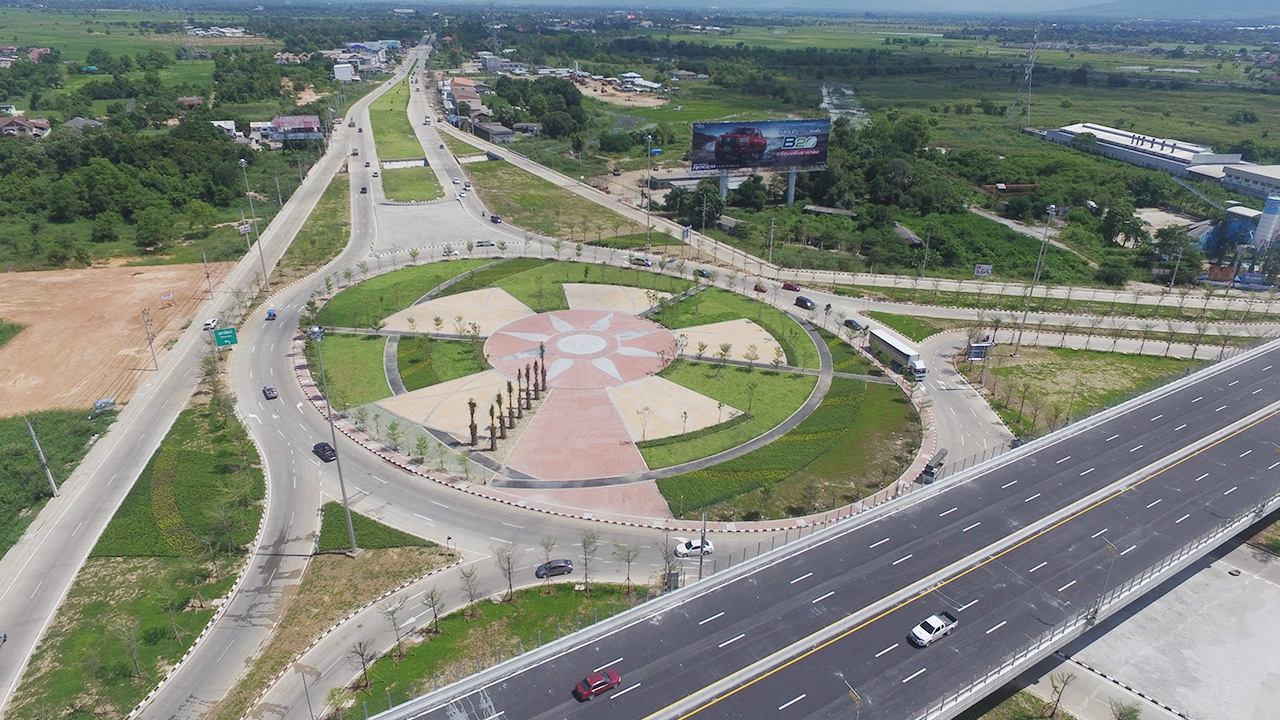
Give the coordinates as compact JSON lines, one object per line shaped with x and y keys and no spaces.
{"x":1202,"y":645}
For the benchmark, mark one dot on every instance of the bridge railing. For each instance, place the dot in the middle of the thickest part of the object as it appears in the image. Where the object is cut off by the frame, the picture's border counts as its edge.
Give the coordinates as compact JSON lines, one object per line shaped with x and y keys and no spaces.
{"x":1084,"y":619}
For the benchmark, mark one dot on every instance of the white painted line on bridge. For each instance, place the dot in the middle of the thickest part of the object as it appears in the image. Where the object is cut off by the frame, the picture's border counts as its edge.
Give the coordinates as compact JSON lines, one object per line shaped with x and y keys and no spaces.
{"x":802,"y":577}
{"x":1184,"y":517}
{"x":1008,"y":484}
{"x":1179,"y":427}
{"x":912,"y":676}
{"x":713,"y":617}
{"x":1233,"y":383}
{"x":1136,"y":447}
{"x":1233,"y":489}
{"x":1224,"y":407}
{"x":518,"y":527}
{"x":618,"y":694}
{"x":793,"y":701}
{"x":1131,"y":549}
{"x":1086,"y":472}
{"x":886,"y":650}
{"x":948,"y":512}
{"x":1033,"y":497}
{"x":446,"y":507}
{"x":1064,"y":587}
{"x":997,"y":627}
{"x":1038,"y":566}
{"x":972,"y":526}
{"x":608,"y":664}
{"x":1207,"y":475}
{"x":1113,"y":437}
{"x":819,"y":599}
{"x":902,"y":559}
{"x":1156,"y":417}
{"x":1198,"y":399}
{"x":1155,"y":503}
{"x":1095,"y":535}
{"x":1063,"y":460}
{"x":878,"y":543}
{"x":732,"y":640}
{"x":967,"y":605}
{"x":1246,"y":452}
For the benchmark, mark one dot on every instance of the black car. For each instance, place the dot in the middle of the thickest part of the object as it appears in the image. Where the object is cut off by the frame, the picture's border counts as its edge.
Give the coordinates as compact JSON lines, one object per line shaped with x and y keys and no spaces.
{"x":806,"y":303}
{"x":325,"y":451}
{"x":554,"y":568}
{"x":495,"y":219}
{"x":702,"y":273}
{"x":853,"y":325}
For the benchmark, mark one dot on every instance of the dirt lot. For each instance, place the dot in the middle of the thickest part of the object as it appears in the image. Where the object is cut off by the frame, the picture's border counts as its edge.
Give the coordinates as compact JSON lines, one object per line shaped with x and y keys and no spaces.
{"x":84,"y":338}
{"x":610,"y":94}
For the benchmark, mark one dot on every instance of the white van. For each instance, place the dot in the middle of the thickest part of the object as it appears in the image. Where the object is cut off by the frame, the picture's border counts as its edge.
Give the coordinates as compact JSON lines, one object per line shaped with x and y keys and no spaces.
{"x":211,"y":324}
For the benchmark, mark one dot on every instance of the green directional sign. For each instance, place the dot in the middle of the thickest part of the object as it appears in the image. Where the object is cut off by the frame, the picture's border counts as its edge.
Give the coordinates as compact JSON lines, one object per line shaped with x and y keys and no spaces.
{"x":224,"y":336}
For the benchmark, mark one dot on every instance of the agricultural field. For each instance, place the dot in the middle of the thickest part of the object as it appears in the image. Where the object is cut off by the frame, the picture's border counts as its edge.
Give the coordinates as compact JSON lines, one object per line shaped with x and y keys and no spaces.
{"x":76,"y":32}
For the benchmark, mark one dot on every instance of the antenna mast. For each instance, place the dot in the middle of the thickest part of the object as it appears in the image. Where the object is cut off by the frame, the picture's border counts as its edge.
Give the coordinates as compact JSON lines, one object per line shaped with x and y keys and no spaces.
{"x":1021,"y":106}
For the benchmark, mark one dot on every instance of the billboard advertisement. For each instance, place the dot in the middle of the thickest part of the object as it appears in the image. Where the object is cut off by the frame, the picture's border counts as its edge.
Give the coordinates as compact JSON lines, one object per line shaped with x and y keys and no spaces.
{"x":768,"y":144}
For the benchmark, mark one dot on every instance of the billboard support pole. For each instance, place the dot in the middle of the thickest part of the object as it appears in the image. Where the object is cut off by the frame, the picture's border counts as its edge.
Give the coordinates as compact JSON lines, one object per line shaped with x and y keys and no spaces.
{"x":791,"y":188}
{"x":724,"y":185}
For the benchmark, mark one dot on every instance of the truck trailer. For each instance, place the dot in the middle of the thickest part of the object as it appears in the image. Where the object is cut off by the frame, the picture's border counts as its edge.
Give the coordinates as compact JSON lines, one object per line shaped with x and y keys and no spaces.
{"x":900,"y":356}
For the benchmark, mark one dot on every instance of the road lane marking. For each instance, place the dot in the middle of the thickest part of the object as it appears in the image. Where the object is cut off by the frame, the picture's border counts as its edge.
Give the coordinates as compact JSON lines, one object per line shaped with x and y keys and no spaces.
{"x":1273,"y":465}
{"x":1179,"y":427}
{"x":997,"y":627}
{"x":1113,"y":437}
{"x":1184,"y":517}
{"x":1095,"y":535}
{"x":967,"y":605}
{"x":904,"y":558}
{"x":1038,"y":566}
{"x":375,"y":477}
{"x":1157,"y":417}
{"x":73,"y":532}
{"x":1266,"y":368}
{"x":1255,"y":392}
{"x":608,"y":664}
{"x":1033,"y":497}
{"x":518,"y":527}
{"x":446,"y":507}
{"x":1136,"y":447}
{"x":793,"y":701}
{"x":802,"y":577}
{"x":1008,"y":484}
{"x":713,"y":617}
{"x":1233,"y":489}
{"x":886,"y":650}
{"x":618,"y":694}
{"x":1198,"y":399}
{"x":1153,"y":504}
{"x":948,"y":512}
{"x":1224,"y":407}
{"x":1246,"y":452}
{"x":912,"y":676}
{"x":1207,"y":475}
{"x":732,"y":640}
{"x":1131,"y":549}
{"x":424,"y":517}
{"x":817,"y":600}
{"x":972,"y":526}
{"x":878,"y":543}
{"x":499,"y":540}
{"x":1064,"y":587}
{"x":1086,"y":472}
{"x":1063,"y":460}
{"x":1232,"y":383}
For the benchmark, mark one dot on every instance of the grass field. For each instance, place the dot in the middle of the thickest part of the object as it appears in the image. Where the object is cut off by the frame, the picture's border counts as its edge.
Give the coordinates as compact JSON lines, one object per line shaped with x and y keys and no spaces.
{"x":144,"y":595}
{"x":858,"y":440}
{"x":411,"y":184}
{"x":325,"y":232}
{"x":424,"y":362}
{"x":767,"y":396}
{"x":458,"y":146}
{"x":845,"y":358}
{"x":391,"y":129}
{"x":715,"y":305}
{"x":538,"y":283}
{"x":533,"y":203}
{"x":353,"y":364}
{"x":375,"y":298}
{"x":76,"y":32}
{"x":370,"y":534}
{"x":483,"y":635}
{"x":1038,"y":389}
{"x":914,"y":328}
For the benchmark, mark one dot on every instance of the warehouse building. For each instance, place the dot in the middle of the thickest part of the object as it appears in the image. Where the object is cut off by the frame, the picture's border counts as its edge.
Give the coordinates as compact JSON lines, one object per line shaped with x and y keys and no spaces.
{"x":1175,"y":157}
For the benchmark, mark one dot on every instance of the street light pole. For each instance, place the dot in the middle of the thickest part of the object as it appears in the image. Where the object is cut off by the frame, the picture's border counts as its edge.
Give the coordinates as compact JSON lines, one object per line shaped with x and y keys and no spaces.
{"x":1026,"y":306}
{"x":316,"y":334}
{"x":648,"y":188}
{"x":244,"y":165}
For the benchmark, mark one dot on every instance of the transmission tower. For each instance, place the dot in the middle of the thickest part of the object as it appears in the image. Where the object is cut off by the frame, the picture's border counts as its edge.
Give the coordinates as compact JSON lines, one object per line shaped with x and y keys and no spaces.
{"x":1021,"y":107}
{"x":495,"y":41}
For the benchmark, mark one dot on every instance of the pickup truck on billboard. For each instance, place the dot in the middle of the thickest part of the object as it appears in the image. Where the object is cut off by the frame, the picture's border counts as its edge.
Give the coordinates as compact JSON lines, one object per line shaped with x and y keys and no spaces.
{"x":780,"y":144}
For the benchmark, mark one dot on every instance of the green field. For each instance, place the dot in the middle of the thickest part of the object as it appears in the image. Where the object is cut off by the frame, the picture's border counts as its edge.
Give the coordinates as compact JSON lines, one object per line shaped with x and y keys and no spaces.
{"x":536,"y":204}
{"x":391,"y":129}
{"x":424,"y":362}
{"x":76,"y":32}
{"x":415,"y":184}
{"x":914,"y":328}
{"x":370,"y":534}
{"x":458,"y":146}
{"x":768,"y":397}
{"x":325,"y":232}
{"x":715,"y":305}
{"x":375,"y":298}
{"x":353,"y":364}
{"x":142,"y":598}
{"x":845,"y":358}
{"x":858,"y":440}
{"x":538,"y":283}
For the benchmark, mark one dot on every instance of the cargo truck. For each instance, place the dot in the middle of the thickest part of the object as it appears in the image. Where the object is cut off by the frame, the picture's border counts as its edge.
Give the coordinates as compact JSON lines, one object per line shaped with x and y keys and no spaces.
{"x":900,"y":356}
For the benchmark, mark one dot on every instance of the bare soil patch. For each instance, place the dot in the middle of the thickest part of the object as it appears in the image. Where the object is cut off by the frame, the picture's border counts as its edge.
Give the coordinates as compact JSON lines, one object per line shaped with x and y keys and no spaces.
{"x":610,"y":94}
{"x":84,"y":339}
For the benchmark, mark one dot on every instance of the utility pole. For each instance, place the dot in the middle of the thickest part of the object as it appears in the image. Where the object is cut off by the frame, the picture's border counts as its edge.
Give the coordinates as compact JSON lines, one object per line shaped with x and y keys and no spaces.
{"x":53,"y":487}
{"x":244,"y":164}
{"x":772,"y":223}
{"x":1174,"y":276}
{"x":146,"y":325}
{"x":316,"y":334}
{"x":1026,"y":306}
{"x":207,"y":278}
{"x":701,"y":554}
{"x":923,"y":263}
{"x":648,"y":188}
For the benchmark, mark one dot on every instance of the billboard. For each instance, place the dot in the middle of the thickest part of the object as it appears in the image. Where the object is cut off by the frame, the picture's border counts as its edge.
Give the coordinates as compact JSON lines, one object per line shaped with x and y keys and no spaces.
{"x":768,"y":144}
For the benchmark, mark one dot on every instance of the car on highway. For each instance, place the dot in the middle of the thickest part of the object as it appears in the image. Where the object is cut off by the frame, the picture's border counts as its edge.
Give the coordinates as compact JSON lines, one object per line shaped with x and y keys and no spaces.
{"x":596,"y":683}
{"x":553,"y":568}
{"x":456,"y":181}
{"x":702,"y":273}
{"x":741,"y":142}
{"x":325,"y":451}
{"x":761,"y":288}
{"x":853,"y":325}
{"x":364,"y":190}
{"x":271,"y":314}
{"x":441,"y":146}
{"x":453,"y":252}
{"x":642,"y":262}
{"x":359,"y":130}
{"x":484,"y":243}
{"x":685,"y":547}
{"x":211,"y":324}
{"x":806,"y":303}
{"x":791,"y":287}
{"x":355,"y":152}
{"x":375,"y":173}
{"x":495,"y":219}
{"x":366,"y":163}
{"x":932,"y":628}
{"x":269,"y":392}
{"x":462,"y":194}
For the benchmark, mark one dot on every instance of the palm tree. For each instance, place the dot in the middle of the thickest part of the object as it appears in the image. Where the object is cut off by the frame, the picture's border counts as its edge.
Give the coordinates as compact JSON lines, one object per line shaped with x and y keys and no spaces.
{"x":533,"y":380}
{"x":511,"y":405}
{"x":471,"y":407}
{"x":502,"y":422}
{"x":493,"y":432}
{"x":542,"y":355}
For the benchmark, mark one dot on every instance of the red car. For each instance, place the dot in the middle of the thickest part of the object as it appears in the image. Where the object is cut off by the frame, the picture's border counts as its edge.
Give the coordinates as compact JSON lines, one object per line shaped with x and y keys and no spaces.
{"x":741,"y":142}
{"x":791,"y":287}
{"x":761,"y":288}
{"x":596,"y":684}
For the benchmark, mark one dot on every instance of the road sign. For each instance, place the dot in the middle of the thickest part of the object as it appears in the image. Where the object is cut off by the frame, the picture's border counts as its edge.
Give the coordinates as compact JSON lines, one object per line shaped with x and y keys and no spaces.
{"x":223,"y":337}
{"x":982,"y":270}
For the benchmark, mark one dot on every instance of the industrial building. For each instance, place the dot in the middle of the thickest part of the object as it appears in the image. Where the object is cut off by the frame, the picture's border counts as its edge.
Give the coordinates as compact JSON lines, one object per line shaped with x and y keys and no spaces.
{"x":1175,"y":157}
{"x":1260,"y":181}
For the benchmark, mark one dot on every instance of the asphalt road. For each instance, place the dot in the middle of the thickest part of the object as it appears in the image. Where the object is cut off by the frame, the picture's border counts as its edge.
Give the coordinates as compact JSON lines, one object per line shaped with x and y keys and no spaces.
{"x":717,"y":631}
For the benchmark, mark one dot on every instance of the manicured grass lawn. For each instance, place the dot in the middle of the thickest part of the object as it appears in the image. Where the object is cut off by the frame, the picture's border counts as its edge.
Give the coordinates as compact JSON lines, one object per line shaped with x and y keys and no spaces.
{"x":375,"y":298}
{"x":533,"y":203}
{"x":391,"y":129}
{"x":915,"y":328}
{"x":1042,"y":385}
{"x":458,"y":146}
{"x":326,"y":231}
{"x":845,"y":358}
{"x":370,"y":534}
{"x":539,"y":287}
{"x":411,"y":184}
{"x":715,"y":305}
{"x":487,"y":633}
{"x":353,"y":364}
{"x":143,"y":596}
{"x":425,"y":362}
{"x":774,"y":397}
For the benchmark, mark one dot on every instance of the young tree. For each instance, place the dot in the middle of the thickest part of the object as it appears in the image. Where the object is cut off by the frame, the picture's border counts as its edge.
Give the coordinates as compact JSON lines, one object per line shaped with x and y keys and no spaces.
{"x":433,"y":600}
{"x":504,"y":556}
{"x":590,"y":543}
{"x":726,"y":349}
{"x":626,"y":554}
{"x":470,"y":585}
{"x":390,"y":609}
{"x":751,"y":356}
{"x":364,"y":653}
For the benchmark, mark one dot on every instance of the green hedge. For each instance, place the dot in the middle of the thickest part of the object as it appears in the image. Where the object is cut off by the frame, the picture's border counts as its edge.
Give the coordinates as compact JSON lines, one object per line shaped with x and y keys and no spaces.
{"x":709,"y":430}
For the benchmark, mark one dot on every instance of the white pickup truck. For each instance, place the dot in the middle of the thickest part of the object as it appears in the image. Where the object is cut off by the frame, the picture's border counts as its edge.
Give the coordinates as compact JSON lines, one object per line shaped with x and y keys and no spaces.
{"x":932,"y":628}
